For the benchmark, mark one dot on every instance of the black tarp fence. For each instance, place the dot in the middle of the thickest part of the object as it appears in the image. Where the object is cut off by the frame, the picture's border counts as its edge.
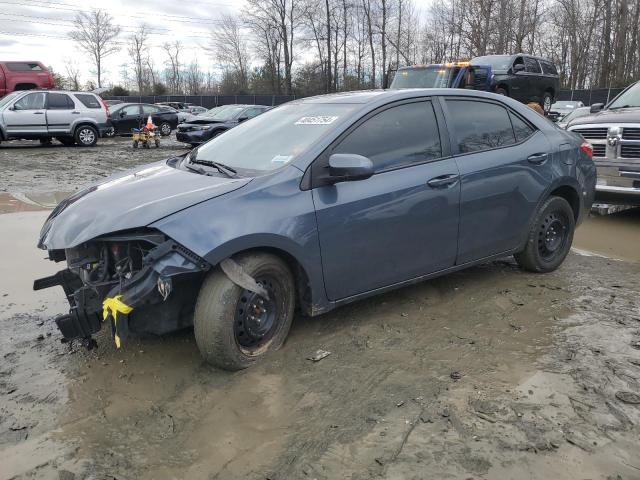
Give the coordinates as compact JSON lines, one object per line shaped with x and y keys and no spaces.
{"x":588,"y":97}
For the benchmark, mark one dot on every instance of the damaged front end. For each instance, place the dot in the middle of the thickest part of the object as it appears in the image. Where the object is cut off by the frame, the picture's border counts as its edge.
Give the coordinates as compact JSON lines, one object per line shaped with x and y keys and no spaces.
{"x":140,"y":281}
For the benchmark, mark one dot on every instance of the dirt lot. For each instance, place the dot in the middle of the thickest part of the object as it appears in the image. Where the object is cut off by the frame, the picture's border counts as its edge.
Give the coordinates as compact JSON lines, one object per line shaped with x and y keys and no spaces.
{"x":488,"y":373}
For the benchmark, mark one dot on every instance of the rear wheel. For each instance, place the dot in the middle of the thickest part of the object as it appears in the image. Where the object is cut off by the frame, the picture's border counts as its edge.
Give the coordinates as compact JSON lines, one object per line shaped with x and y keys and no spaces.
{"x":86,"y":136}
{"x":547,"y":101}
{"x":234,"y":327}
{"x":549,"y":238}
{"x":502,"y":91}
{"x":165,"y":129}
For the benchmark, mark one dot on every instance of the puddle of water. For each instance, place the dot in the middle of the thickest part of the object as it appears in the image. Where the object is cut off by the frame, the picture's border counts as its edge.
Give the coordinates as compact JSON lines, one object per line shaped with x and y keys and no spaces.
{"x":30,"y":202}
{"x":614,"y":236}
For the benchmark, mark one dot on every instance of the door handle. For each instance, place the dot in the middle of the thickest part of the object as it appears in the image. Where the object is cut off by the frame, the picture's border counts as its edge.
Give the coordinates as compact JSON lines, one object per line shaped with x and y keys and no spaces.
{"x":38,"y":113}
{"x":444,"y":180}
{"x":538,"y":158}
{"x":75,"y":113}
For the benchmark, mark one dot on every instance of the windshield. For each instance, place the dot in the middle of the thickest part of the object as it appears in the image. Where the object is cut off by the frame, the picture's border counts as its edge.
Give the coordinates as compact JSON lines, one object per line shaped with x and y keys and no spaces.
{"x":426,"y":77}
{"x":8,"y":98}
{"x":225,"y":113}
{"x":273,"y":139}
{"x":628,"y":98}
{"x":497,"y":62}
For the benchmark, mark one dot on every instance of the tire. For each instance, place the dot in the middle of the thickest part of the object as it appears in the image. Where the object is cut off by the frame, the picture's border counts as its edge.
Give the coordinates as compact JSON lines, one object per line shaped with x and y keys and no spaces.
{"x":157,"y":142}
{"x":226,"y":334}
{"x":547,"y":101}
{"x":165,"y":129}
{"x":550,"y":237}
{"x":66,"y":141}
{"x":502,"y":91}
{"x":86,"y":136}
{"x":110,"y":133}
{"x":135,"y":144}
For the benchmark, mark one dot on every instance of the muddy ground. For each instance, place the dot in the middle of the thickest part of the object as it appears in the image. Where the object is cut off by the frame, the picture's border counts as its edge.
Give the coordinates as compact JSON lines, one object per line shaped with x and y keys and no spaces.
{"x":488,"y":373}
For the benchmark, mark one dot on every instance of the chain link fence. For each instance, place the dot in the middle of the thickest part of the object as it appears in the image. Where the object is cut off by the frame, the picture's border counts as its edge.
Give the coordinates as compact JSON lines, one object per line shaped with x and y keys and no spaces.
{"x":588,"y":97}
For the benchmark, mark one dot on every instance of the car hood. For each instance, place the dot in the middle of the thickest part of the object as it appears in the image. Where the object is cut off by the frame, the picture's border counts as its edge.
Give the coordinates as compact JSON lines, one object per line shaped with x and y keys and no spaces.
{"x":131,"y":199}
{"x":622,"y":115}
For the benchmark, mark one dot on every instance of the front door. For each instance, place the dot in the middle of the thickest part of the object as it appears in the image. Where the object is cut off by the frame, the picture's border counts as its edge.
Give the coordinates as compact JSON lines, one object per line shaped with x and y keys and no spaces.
{"x":127,"y":118}
{"x":504,"y":170}
{"x":393,"y":226}
{"x":27,"y":117}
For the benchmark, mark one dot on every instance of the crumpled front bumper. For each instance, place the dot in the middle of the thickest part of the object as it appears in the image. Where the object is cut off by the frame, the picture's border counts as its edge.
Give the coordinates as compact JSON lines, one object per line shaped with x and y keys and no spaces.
{"x":92,"y":305}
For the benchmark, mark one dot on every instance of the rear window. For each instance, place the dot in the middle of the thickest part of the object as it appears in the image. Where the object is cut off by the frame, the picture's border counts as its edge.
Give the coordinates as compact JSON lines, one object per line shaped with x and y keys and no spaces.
{"x":23,"y":67}
{"x":88,"y":100}
{"x":548,"y":67}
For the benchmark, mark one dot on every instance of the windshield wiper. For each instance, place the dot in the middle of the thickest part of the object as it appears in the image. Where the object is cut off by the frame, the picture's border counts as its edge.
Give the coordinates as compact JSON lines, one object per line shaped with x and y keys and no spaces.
{"x":199,"y":170}
{"x":222,"y":168}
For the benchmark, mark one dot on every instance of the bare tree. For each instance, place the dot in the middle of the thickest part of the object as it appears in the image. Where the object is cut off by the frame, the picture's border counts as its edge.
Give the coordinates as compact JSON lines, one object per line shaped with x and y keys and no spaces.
{"x":95,"y":33}
{"x":229,"y":45}
{"x":173,"y":51}
{"x":73,"y":74}
{"x":136,"y":50}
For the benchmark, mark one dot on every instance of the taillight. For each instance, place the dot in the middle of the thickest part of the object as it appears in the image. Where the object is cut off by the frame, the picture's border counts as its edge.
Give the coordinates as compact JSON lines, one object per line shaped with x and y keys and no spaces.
{"x":105,"y":106}
{"x":587,"y":148}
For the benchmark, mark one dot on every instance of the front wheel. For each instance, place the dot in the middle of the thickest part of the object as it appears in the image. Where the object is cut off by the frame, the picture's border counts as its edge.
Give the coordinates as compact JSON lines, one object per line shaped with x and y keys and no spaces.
{"x":86,"y":136}
{"x":234,"y":327}
{"x":549,"y":238}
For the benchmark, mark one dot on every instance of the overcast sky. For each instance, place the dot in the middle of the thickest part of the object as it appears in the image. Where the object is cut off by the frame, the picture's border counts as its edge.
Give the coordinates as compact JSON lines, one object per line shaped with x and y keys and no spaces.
{"x":38,"y":29}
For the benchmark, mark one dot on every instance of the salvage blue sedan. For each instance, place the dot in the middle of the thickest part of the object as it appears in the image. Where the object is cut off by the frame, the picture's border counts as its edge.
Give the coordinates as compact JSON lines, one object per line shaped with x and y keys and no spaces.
{"x":315,"y":204}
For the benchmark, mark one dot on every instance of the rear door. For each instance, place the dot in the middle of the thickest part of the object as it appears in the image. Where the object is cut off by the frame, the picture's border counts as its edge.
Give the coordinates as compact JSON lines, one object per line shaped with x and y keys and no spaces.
{"x":27,"y":116}
{"x":61,"y":113}
{"x":393,"y":226}
{"x":505,"y":168}
{"x":535,"y":86}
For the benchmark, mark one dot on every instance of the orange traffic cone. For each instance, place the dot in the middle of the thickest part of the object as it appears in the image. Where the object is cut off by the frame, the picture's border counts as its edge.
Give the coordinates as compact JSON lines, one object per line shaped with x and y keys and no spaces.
{"x":150,"y":125}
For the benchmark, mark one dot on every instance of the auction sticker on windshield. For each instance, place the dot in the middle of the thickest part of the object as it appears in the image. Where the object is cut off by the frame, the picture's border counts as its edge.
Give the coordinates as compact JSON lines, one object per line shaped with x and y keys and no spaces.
{"x":318,"y":120}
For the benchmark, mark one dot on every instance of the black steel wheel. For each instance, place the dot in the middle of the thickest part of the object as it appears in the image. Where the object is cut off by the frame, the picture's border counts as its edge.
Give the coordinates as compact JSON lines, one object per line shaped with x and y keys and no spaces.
{"x":233,"y":326}
{"x":550,"y":237}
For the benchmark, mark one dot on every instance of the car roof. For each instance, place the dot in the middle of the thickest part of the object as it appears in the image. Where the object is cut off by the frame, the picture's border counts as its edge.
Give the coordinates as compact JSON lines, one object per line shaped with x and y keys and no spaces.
{"x":384,"y":96}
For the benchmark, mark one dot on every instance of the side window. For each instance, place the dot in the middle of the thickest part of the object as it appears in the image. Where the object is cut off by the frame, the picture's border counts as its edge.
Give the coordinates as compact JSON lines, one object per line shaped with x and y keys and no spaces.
{"x":59,"y":101}
{"x":518,"y":61}
{"x":548,"y":68}
{"x":23,"y":67}
{"x":88,"y":100}
{"x":531,"y":65}
{"x":33,"y":101}
{"x":521,"y":129}
{"x":479,"y":125}
{"x":398,"y":136}
{"x":131,"y":110}
{"x":150,"y":109}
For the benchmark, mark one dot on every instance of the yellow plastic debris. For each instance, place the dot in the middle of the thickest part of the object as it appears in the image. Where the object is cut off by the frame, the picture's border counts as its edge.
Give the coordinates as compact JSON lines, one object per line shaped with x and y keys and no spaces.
{"x":111,"y":307}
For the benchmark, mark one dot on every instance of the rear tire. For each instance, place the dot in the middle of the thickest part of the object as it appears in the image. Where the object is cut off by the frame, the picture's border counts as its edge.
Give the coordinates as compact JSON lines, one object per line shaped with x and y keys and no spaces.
{"x":502,"y":91}
{"x":235,"y":327}
{"x":550,"y":237}
{"x":547,"y":101}
{"x":165,"y":129}
{"x":86,"y":136}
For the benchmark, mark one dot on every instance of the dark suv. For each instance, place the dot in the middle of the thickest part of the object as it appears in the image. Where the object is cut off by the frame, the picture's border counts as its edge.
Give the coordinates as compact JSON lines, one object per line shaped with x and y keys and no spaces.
{"x":523,"y":77}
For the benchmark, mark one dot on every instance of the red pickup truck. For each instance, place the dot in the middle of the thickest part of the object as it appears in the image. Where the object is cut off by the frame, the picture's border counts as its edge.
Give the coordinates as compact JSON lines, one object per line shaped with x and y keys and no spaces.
{"x":23,"y":76}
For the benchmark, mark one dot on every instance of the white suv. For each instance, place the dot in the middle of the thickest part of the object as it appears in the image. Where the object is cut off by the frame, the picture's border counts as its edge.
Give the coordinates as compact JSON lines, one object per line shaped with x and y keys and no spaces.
{"x":69,"y":117}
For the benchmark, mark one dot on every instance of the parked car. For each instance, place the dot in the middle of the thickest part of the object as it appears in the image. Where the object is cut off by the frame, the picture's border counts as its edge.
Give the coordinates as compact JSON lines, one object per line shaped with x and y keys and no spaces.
{"x":614,"y":132}
{"x":562,"y":108}
{"x":523,"y":77}
{"x":204,"y":127}
{"x":69,"y":117}
{"x":127,"y":116}
{"x":315,"y":204}
{"x":175,"y":105}
{"x":24,"y":76}
{"x":573,"y":115}
{"x":113,"y":102}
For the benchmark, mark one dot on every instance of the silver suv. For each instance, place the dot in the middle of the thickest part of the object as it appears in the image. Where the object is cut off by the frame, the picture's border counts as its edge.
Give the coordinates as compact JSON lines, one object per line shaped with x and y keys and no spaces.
{"x":69,"y":117}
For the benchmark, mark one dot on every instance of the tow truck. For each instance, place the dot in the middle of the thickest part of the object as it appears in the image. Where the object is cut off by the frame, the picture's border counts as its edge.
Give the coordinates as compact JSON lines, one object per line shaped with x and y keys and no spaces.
{"x":444,"y":75}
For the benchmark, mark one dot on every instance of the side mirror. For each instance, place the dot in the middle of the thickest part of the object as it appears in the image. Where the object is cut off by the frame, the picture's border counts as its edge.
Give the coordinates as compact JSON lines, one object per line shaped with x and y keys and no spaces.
{"x":518,"y":68}
{"x":346,"y":167}
{"x":596,"y":107}
{"x":243,"y":119}
{"x":122,"y":113}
